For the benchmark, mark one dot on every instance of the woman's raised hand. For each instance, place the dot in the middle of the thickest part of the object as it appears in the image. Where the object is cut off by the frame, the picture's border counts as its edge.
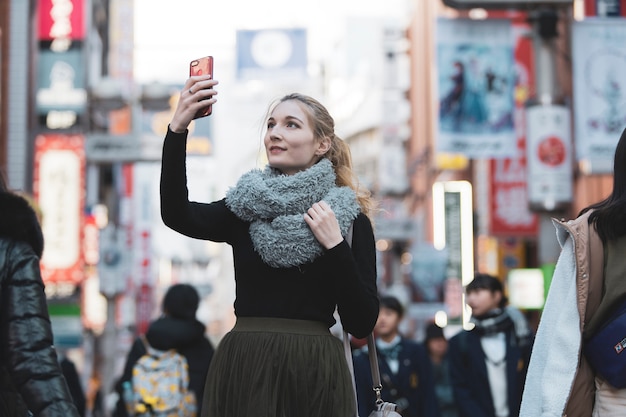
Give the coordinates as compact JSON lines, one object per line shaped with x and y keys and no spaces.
{"x":197,"y":93}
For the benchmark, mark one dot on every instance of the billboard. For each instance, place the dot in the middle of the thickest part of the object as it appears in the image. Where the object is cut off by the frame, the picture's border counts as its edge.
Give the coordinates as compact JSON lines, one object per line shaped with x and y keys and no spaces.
{"x":476,"y":80}
{"x":272,"y":53}
{"x":598,"y":59}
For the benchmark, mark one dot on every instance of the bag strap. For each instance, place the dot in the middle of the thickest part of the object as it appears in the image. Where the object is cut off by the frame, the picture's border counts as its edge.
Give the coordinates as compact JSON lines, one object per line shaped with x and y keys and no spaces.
{"x":373,"y":358}
{"x":371,"y":349}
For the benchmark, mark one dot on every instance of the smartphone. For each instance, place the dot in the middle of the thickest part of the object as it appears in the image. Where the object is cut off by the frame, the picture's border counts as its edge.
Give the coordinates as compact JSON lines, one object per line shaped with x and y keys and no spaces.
{"x":202,"y":66}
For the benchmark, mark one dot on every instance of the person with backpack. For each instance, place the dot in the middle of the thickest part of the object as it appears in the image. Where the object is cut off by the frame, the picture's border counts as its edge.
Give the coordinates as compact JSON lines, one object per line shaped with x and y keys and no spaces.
{"x":176,"y":349}
{"x":488,"y":363}
{"x":287,"y":226}
{"x":31,"y":380}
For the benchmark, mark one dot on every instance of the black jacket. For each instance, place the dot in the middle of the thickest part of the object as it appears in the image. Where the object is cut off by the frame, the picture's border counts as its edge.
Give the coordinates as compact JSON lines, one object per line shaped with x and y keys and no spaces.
{"x":187,"y":337}
{"x":470,"y":381}
{"x":30,"y":375}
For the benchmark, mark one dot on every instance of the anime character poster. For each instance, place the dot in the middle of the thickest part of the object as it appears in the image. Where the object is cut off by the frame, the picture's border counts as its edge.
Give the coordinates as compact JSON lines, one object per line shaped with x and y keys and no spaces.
{"x":599,"y":59}
{"x":476,"y":82}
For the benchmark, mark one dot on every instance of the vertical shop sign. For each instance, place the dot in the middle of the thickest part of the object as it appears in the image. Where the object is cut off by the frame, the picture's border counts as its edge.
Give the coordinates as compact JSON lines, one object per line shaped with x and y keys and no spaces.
{"x":143,"y":206}
{"x":549,"y":155}
{"x":453,"y":227}
{"x":510,"y":214}
{"x":59,"y":185}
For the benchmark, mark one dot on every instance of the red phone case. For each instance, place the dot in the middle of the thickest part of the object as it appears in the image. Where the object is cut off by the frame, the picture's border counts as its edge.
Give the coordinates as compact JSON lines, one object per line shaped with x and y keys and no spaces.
{"x":202,"y":66}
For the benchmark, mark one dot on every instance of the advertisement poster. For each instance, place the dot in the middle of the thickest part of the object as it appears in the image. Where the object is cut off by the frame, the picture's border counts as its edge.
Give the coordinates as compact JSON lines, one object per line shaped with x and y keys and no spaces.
{"x":599,"y":59}
{"x":475,"y":87}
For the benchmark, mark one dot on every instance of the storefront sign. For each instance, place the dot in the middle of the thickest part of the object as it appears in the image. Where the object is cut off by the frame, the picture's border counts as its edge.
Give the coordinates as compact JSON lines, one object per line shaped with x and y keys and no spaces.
{"x":59,"y":185}
{"x":61,"y":21}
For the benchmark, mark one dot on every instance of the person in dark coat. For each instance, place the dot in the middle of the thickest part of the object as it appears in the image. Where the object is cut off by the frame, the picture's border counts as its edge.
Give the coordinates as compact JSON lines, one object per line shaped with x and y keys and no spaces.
{"x":73,"y":382}
{"x":488,"y":363}
{"x":437,"y":347}
{"x":405,"y":368}
{"x":177,"y":329}
{"x":30,"y":375}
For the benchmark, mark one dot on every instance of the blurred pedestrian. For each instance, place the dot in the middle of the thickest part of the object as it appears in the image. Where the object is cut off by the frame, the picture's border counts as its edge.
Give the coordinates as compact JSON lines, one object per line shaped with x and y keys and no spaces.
{"x":405,"y":369}
{"x":176,"y":329}
{"x":587,"y":286}
{"x":488,"y":363}
{"x":73,"y":382}
{"x":286,"y":225}
{"x":437,"y":347}
{"x":30,"y":374}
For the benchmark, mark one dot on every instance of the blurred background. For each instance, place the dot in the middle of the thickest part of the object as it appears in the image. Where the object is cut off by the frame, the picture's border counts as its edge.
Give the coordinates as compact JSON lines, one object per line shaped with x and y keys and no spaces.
{"x":473,"y":122}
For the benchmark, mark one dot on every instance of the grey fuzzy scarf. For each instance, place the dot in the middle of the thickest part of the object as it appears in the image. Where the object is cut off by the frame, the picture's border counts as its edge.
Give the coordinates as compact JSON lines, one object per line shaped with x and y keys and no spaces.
{"x":275,"y":204}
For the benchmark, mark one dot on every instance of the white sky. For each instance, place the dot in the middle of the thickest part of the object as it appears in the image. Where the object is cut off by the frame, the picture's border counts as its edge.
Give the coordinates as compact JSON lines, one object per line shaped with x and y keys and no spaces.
{"x":169,"y":34}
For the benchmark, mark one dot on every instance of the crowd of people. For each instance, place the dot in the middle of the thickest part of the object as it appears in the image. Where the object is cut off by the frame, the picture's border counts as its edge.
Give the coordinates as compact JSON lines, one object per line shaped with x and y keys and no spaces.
{"x":304,"y":253}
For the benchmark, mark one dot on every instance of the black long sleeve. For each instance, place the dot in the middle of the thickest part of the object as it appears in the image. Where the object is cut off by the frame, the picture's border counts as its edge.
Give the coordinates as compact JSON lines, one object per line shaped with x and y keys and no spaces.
{"x":343,"y":276}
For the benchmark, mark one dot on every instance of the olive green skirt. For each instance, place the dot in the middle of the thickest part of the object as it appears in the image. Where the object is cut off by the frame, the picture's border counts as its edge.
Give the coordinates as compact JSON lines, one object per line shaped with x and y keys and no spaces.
{"x":266,"y":367}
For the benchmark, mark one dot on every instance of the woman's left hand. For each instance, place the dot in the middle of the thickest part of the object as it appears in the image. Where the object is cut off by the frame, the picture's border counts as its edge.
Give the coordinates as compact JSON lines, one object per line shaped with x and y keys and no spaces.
{"x":323,"y":223}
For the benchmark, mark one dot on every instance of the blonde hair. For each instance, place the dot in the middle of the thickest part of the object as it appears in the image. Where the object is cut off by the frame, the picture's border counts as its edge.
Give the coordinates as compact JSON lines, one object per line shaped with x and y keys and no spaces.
{"x":339,"y":152}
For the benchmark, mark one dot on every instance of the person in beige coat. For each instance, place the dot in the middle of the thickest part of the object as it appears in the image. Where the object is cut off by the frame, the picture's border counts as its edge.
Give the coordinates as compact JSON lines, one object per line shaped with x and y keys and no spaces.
{"x":587,"y":286}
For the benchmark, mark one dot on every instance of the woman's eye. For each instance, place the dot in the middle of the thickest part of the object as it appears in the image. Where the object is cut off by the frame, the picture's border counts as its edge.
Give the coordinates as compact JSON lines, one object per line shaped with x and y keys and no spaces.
{"x":270,"y":125}
{"x":292,"y":124}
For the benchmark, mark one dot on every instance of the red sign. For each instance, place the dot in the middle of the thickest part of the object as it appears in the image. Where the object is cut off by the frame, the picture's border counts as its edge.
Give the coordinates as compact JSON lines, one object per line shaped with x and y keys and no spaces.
{"x":59,"y":188}
{"x":510,"y":212}
{"x":605,"y":8}
{"x":61,"y":20}
{"x":144,"y":304}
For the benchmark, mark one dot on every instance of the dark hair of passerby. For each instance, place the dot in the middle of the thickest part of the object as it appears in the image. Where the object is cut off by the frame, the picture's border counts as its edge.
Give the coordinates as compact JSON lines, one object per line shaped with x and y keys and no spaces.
{"x":609,"y":215}
{"x":392,"y":303}
{"x":484,"y":281}
{"x":181,"y":301}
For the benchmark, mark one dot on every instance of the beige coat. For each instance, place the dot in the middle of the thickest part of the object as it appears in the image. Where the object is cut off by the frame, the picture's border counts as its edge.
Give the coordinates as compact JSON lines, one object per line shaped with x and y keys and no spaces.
{"x":572,"y":391}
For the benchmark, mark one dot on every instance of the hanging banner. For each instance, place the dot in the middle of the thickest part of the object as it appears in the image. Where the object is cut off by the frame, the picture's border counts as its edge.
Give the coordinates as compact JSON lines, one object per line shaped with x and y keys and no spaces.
{"x":476,"y":86}
{"x":59,"y":186}
{"x":549,"y":155}
{"x":599,"y":59}
{"x":510,"y":214}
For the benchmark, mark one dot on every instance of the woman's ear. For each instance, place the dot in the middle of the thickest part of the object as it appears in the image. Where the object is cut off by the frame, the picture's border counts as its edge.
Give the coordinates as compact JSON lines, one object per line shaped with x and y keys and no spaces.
{"x":323,"y":146}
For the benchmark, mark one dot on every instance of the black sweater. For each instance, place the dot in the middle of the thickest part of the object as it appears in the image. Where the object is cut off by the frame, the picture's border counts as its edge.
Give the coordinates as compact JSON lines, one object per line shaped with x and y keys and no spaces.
{"x":343,"y":276}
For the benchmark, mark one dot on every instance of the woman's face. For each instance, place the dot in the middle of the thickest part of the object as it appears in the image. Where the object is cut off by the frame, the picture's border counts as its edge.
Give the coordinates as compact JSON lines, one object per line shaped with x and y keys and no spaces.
{"x":290,"y":144}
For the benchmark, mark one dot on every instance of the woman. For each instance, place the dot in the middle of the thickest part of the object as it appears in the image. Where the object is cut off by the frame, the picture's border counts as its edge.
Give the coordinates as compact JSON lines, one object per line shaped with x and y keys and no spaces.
{"x":286,"y":225}
{"x":587,"y":286}
{"x":30,"y":374}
